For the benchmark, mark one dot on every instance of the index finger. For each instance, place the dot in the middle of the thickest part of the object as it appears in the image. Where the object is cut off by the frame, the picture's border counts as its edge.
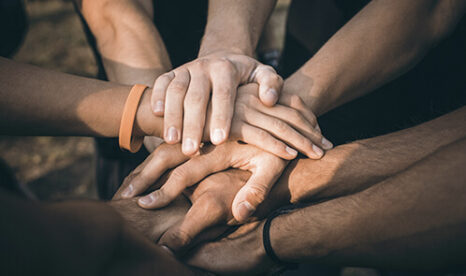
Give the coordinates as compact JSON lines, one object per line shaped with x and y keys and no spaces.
{"x":185,"y":175}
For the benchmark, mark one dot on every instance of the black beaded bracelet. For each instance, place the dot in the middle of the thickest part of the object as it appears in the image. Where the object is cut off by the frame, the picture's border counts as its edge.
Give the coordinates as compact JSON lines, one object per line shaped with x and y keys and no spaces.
{"x":266,"y":239}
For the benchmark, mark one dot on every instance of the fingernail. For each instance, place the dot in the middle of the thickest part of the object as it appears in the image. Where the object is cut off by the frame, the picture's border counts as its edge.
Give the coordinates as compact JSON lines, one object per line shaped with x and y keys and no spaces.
{"x":318,"y":151}
{"x":271,"y":95}
{"x":158,"y":108}
{"x":167,"y":249}
{"x":218,"y":135}
{"x":128,"y":191}
{"x":172,"y":134}
{"x":327,"y":144}
{"x":188,"y":145}
{"x":245,"y":210}
{"x":146,"y":200}
{"x":291,"y":151}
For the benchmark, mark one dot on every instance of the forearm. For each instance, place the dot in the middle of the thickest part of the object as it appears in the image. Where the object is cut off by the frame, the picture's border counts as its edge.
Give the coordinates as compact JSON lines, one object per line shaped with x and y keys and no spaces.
{"x":129,"y":43}
{"x":235,"y":26}
{"x":416,"y":219}
{"x":381,"y":42}
{"x":353,"y":167}
{"x":49,"y":239}
{"x":41,"y":102}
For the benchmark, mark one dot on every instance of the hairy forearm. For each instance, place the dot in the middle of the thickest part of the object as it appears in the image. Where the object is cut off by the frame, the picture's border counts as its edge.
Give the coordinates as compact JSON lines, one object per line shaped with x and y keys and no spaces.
{"x":416,"y":219}
{"x":381,"y":42}
{"x":35,"y":101}
{"x":356,"y":166}
{"x":131,"y":47}
{"x":235,"y":25}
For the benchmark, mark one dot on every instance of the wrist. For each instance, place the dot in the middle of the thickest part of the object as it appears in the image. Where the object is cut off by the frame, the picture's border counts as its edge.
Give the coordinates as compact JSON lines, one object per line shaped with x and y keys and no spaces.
{"x":310,"y":90}
{"x":222,"y":50}
{"x":294,"y":241}
{"x":312,"y":179}
{"x":217,"y":44}
{"x":146,"y":123}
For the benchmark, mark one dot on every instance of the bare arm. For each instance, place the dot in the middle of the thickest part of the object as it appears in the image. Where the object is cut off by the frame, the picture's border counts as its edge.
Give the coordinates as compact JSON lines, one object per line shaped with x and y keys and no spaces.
{"x":235,"y":26}
{"x":416,"y":219}
{"x":75,"y":238}
{"x":391,"y":210}
{"x":225,"y":62}
{"x":35,"y":101}
{"x":384,"y":40}
{"x":131,"y":47}
{"x":353,"y":167}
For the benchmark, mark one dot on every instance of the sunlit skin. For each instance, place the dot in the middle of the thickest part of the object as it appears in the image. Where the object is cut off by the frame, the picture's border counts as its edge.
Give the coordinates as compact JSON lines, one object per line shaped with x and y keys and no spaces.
{"x":344,"y":170}
{"x":133,"y":52}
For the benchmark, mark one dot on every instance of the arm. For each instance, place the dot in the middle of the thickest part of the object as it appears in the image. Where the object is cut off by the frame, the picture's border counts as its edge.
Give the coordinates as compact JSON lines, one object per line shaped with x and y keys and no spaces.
{"x":224,"y":63}
{"x":235,"y":26}
{"x":343,"y":171}
{"x":384,"y":40}
{"x":131,"y":47}
{"x":413,"y":218}
{"x":416,"y":219}
{"x":35,"y":101}
{"x":353,"y":167}
{"x":75,"y":238}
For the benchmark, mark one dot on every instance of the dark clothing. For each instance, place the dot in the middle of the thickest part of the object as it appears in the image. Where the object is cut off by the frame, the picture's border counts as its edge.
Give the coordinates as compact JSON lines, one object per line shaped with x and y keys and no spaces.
{"x":13,"y":26}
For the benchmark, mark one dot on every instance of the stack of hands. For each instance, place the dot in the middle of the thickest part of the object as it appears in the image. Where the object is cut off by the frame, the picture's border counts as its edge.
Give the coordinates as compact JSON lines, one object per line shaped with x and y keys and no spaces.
{"x":222,"y":153}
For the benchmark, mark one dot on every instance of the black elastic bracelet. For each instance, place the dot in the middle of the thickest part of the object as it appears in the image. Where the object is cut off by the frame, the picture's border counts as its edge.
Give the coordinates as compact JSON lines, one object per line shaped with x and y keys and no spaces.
{"x":266,"y":239}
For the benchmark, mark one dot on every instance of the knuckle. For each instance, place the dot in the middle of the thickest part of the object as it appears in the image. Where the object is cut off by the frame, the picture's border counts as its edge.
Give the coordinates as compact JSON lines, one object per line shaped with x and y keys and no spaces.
{"x":130,"y":178}
{"x":164,"y":77}
{"x":223,"y":94}
{"x":202,"y":62}
{"x":257,"y":192}
{"x":178,"y":238}
{"x":178,"y":86}
{"x":279,"y":125}
{"x":213,"y":205}
{"x":144,"y":175}
{"x":224,"y":64}
{"x":262,"y":134}
{"x":179,"y":175}
{"x":267,"y":68}
{"x":275,"y":78}
{"x":251,"y":99}
{"x":194,"y":98}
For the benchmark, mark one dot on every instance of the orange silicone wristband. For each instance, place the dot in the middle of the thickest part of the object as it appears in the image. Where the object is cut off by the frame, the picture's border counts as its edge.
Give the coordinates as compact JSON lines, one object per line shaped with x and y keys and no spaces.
{"x":126,"y":140}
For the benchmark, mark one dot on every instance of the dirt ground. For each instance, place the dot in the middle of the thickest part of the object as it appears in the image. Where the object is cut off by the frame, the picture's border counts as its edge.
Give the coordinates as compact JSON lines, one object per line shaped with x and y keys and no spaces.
{"x":62,"y":167}
{"x":54,"y":167}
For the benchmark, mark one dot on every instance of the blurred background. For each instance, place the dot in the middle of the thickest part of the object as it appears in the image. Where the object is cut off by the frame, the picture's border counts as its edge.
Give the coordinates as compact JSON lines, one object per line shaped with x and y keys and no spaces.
{"x":62,"y":167}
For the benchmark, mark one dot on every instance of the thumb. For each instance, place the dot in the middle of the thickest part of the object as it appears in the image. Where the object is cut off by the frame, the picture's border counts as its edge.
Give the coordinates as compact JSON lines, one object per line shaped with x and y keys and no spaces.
{"x":252,"y":194}
{"x":270,"y":84}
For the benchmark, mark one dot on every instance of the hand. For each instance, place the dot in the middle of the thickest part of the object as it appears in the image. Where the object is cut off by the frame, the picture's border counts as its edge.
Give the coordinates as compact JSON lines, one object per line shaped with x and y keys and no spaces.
{"x":241,"y":252}
{"x":265,"y":168}
{"x":209,"y":214}
{"x":185,"y":91}
{"x":152,"y":142}
{"x":96,"y":235}
{"x":269,"y":128}
{"x":151,"y":223}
